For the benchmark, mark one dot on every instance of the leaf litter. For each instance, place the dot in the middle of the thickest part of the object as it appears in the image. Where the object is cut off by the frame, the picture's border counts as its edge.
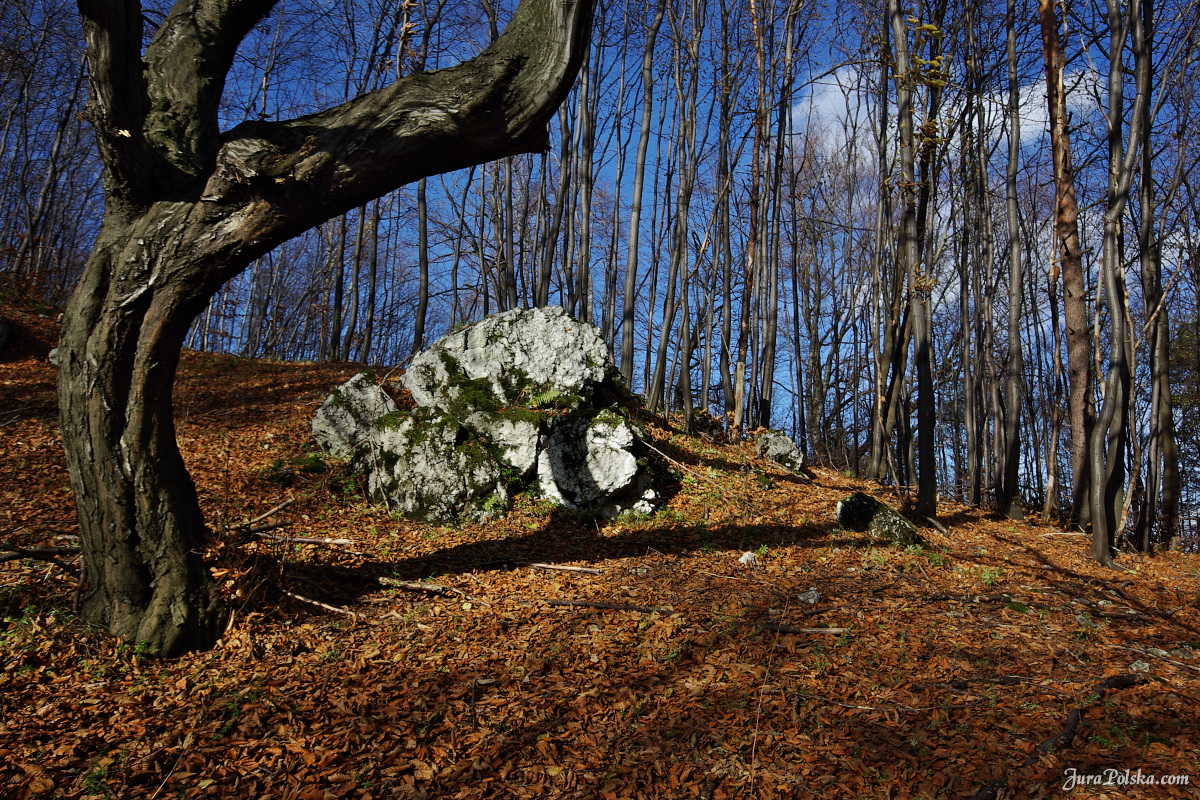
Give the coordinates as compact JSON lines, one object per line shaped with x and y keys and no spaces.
{"x":434,"y":661}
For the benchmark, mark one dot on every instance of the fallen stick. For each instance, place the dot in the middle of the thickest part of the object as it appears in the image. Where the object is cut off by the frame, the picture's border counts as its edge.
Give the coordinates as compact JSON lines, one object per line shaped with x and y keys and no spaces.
{"x":420,"y":586}
{"x":304,"y":539}
{"x":270,"y":513}
{"x":319,"y":604}
{"x":605,"y":606}
{"x":938,"y":526}
{"x":9,"y":552}
{"x":258,"y":530}
{"x":562,"y":568}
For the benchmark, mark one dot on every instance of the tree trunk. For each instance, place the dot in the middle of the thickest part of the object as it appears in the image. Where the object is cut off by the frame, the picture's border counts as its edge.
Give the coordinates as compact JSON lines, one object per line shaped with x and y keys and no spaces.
{"x":418,"y":342}
{"x":919,"y":289}
{"x":1008,"y":500}
{"x":1109,"y":435}
{"x":635,"y":210}
{"x":187,"y":209}
{"x":1066,"y":224}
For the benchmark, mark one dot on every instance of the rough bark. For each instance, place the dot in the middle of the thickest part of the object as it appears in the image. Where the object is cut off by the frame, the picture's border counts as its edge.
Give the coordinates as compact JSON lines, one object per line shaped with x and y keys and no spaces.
{"x":189,"y":207}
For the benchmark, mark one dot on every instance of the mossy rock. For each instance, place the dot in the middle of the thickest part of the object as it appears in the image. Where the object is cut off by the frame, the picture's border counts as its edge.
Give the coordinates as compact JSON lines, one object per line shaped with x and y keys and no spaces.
{"x":862,"y":513}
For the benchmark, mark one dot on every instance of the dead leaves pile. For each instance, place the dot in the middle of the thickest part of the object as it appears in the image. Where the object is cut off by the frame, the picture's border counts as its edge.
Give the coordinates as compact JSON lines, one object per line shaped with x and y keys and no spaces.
{"x":674,"y":671}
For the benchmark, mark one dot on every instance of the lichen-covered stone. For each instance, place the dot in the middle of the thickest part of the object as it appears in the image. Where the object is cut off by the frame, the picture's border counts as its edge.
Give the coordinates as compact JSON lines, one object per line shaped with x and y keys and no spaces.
{"x":522,"y":356}
{"x":346,"y":421}
{"x":779,"y":447}
{"x":863,"y":513}
{"x":425,"y":469}
{"x":503,"y":405}
{"x":585,"y":461}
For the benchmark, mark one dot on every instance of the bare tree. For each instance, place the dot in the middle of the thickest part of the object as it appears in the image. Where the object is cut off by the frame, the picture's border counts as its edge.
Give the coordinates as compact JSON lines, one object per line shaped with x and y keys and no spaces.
{"x":188,"y":207}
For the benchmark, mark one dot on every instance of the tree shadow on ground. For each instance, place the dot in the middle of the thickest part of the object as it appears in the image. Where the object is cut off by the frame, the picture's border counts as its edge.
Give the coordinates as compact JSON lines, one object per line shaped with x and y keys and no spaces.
{"x":565,"y":536}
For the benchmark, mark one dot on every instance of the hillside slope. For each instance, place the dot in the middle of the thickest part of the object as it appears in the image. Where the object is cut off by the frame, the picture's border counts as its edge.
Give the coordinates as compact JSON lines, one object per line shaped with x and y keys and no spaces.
{"x":665,"y":668}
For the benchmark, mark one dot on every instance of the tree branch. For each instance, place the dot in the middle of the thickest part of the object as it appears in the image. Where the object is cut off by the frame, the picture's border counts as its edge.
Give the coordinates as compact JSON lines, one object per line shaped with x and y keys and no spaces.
{"x":186,"y":66}
{"x":420,"y":125}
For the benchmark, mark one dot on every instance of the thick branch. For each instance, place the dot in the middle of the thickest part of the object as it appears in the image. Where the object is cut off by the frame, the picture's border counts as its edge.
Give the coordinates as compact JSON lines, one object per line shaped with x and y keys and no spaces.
{"x":186,"y":66}
{"x":494,"y":105}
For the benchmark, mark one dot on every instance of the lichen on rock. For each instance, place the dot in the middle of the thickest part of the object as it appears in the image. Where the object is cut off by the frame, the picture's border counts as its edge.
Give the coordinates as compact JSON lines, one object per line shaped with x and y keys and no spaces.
{"x":507,"y":404}
{"x":780,"y":448}
{"x":862,"y":513}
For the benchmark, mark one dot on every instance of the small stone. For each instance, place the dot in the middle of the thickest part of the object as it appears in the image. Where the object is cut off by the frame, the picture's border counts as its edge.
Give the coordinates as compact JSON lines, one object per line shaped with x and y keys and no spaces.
{"x":811,"y":597}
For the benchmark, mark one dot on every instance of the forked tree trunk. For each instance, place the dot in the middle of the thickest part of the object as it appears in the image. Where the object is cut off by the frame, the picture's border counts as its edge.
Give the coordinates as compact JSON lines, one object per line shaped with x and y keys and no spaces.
{"x":187,"y":209}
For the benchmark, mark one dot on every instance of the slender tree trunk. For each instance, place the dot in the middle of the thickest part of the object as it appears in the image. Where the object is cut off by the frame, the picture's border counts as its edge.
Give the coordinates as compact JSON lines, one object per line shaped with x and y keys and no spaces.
{"x":1066,"y":224}
{"x":1008,"y":500}
{"x":422,"y":269}
{"x":1161,"y":506}
{"x":919,"y":288}
{"x":753,"y":245}
{"x":886,"y":314}
{"x":356,"y":265}
{"x":629,"y":295}
{"x":1109,"y":436}
{"x":337,"y":272}
{"x":771,"y":323}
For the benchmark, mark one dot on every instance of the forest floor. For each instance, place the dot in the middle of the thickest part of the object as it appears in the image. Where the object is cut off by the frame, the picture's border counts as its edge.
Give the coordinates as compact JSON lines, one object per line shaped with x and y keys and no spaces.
{"x":996,"y":652}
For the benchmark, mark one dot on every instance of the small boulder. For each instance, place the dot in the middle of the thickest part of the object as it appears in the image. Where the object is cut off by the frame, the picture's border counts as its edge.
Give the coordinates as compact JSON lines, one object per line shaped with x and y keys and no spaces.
{"x":780,"y":448}
{"x":863,"y":513}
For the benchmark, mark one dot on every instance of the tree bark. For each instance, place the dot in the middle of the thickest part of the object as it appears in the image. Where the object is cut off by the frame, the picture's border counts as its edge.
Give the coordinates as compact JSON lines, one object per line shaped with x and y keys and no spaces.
{"x":1108,"y":443}
{"x":189,"y":207}
{"x":629,"y":295}
{"x":919,"y":290}
{"x":1066,"y":224}
{"x":1008,"y":501}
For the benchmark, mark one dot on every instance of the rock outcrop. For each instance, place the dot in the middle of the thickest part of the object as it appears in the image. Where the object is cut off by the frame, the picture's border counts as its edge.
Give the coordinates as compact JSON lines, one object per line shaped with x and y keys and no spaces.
{"x":779,"y":447}
{"x":863,"y":513}
{"x":526,"y":399}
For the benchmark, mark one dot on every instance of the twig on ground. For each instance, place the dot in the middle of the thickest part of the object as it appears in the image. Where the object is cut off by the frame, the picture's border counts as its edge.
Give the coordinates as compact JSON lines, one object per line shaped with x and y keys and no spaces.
{"x":420,"y":586}
{"x":564,"y":568}
{"x":832,"y":702}
{"x":939,"y":527}
{"x":10,"y":552}
{"x":315,"y":540}
{"x":258,"y":530}
{"x":775,"y":627}
{"x":319,"y":604}
{"x":251,"y":523}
